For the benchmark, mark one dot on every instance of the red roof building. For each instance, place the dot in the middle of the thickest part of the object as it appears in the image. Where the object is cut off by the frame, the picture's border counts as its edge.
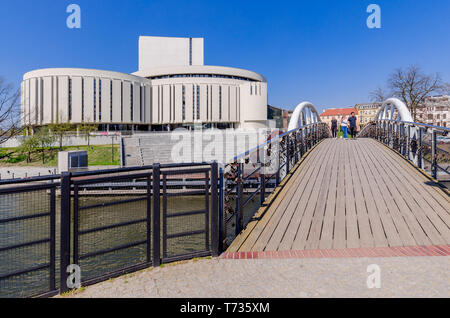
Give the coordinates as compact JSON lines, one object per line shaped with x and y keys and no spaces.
{"x":339,"y":114}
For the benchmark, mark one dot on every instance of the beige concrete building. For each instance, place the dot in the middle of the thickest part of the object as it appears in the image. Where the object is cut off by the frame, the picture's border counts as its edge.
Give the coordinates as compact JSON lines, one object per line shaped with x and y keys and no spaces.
{"x":171,"y":89}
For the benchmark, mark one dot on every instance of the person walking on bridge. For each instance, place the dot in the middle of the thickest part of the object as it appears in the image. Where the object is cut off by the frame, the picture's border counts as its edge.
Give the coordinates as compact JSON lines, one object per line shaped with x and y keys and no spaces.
{"x":344,"y":127}
{"x":352,"y":125}
{"x":334,"y":127}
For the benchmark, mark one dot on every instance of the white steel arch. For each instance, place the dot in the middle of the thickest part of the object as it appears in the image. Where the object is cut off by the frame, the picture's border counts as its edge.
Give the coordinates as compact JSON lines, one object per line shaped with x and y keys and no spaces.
{"x":304,"y":114}
{"x":388,"y":107}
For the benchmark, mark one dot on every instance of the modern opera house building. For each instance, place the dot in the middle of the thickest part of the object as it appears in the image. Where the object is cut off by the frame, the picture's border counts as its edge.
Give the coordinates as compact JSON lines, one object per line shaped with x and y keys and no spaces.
{"x":173,"y":88}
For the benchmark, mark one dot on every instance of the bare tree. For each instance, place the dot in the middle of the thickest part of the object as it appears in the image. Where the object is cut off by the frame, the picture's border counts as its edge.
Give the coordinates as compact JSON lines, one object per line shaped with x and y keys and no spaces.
{"x":378,"y":95}
{"x":413,"y":86}
{"x":9,"y":111}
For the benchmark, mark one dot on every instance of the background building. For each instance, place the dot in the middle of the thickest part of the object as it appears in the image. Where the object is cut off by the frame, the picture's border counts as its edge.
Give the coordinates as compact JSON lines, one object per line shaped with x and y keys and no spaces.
{"x":339,"y":114}
{"x":280,"y":117}
{"x":435,"y":111}
{"x":171,"y":89}
{"x":367,"y":112}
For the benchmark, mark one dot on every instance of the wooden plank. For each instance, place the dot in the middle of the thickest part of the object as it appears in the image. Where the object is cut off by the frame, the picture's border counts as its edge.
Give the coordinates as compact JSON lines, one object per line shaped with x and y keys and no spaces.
{"x":430,"y":192}
{"x":325,"y":199}
{"x":419,"y":235}
{"x":377,"y":186}
{"x":257,"y":243}
{"x":301,"y":192}
{"x":434,"y":224}
{"x":326,"y":238}
{"x":350,"y":201}
{"x":402,"y":228}
{"x":374,"y":218}
{"x":302,"y":231}
{"x":247,"y":238}
{"x":365,"y":231}
{"x":440,"y":195}
{"x":339,"y":237}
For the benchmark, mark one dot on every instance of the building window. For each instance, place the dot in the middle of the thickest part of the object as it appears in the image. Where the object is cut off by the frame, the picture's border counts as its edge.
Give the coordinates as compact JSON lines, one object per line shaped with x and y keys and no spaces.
{"x":207,"y":101}
{"x":99,"y":99}
{"x":183,"y":100}
{"x":220,"y":102}
{"x":141,"y":113}
{"x":95,"y":99}
{"x":190,"y":51}
{"x":82,"y":99}
{"x":131,"y":102}
{"x":251,"y":90}
{"x":121,"y":101}
{"x":70,"y":99}
{"x":111,"y":101}
{"x":198,"y":102}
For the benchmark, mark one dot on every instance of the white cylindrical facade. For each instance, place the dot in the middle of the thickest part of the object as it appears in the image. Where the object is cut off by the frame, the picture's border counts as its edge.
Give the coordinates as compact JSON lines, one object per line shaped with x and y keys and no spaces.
{"x":163,"y":96}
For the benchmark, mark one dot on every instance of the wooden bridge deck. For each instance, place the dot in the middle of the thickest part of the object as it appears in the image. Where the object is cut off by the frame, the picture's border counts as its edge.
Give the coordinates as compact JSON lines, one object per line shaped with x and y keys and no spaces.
{"x":350,"y":194}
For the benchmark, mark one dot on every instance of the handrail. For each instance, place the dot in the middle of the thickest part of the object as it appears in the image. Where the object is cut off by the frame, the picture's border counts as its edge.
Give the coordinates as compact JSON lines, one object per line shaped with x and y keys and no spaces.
{"x":271,"y":140}
{"x":407,"y":138}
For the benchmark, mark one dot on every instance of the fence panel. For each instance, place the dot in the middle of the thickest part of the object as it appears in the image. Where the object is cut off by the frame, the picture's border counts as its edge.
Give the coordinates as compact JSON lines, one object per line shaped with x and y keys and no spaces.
{"x":111,"y":225}
{"x":186,"y":213}
{"x":28,"y":240}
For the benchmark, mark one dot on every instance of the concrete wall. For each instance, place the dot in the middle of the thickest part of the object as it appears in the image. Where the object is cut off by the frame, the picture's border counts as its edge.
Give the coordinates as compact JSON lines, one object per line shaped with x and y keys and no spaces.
{"x":157,"y":51}
{"x":217,"y":94}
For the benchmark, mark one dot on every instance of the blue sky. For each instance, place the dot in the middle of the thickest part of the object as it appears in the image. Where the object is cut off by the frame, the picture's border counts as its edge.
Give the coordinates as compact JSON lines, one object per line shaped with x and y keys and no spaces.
{"x":321,"y":50}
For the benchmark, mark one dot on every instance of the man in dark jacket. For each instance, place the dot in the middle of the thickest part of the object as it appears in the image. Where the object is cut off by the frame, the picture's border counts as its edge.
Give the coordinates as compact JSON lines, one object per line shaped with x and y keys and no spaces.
{"x":334,"y":127}
{"x":352,"y":125}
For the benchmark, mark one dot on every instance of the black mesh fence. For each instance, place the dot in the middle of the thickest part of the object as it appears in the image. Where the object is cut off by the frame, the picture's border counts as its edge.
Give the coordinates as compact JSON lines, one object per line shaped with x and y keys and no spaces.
{"x":111,"y":224}
{"x":27,"y":240}
{"x":107,"y":223}
{"x":185,"y":212}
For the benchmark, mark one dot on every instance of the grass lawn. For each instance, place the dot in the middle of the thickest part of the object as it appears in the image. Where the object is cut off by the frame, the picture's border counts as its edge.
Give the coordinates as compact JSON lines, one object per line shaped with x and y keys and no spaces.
{"x":98,"y":155}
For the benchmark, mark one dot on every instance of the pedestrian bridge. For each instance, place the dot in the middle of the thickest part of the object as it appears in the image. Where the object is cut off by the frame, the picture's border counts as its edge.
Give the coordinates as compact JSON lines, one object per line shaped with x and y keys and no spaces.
{"x":379,"y":190}
{"x":349,"y":194}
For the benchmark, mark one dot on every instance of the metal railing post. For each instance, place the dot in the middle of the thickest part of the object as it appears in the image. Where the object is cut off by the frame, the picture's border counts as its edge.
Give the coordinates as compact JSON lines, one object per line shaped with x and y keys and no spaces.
{"x":262,"y":179}
{"x":214,"y":210}
{"x":239,"y":198}
{"x":419,"y":154}
{"x":222,"y":225}
{"x":408,"y":141}
{"x":434,"y":154}
{"x":156,"y":214}
{"x":277,"y":175}
{"x":149,"y":219}
{"x":64,"y":232}
{"x":288,"y":156}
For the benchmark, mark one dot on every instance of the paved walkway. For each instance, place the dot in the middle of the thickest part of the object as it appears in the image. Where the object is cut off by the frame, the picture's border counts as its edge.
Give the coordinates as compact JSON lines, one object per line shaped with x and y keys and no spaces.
{"x":265,"y":278}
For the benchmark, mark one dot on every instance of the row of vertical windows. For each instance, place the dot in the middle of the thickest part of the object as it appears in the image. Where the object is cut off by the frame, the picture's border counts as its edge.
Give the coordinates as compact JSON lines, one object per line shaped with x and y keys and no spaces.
{"x":220,"y":102}
{"x":99,"y":99}
{"x":82,"y":99}
{"x":131,"y":102}
{"x":70,"y":99}
{"x":95,"y":99}
{"x":198,"y":102}
{"x":183,"y":102}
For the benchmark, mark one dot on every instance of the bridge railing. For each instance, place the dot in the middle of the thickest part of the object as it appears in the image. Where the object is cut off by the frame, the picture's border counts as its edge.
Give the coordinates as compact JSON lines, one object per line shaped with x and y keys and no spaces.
{"x":96,"y":225}
{"x":427,"y":146}
{"x":245,"y":183}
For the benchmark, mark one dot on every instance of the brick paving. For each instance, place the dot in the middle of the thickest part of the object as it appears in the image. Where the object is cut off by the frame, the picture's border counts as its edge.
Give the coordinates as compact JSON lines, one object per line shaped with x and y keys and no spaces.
{"x":297,"y":274}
